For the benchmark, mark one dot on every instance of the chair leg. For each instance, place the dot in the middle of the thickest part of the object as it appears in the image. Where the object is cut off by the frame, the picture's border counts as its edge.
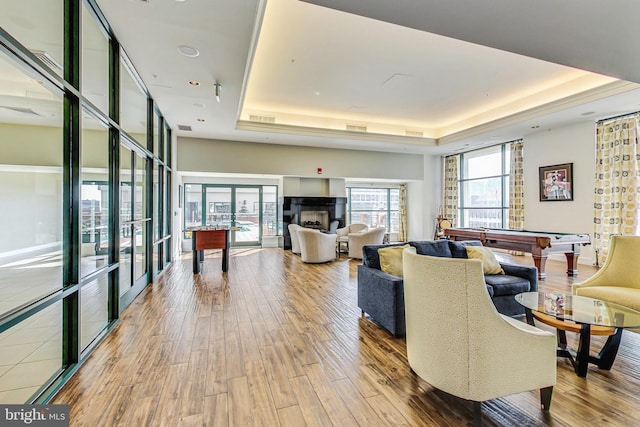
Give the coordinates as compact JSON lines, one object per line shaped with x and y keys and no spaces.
{"x":545,"y":397}
{"x":477,"y":414}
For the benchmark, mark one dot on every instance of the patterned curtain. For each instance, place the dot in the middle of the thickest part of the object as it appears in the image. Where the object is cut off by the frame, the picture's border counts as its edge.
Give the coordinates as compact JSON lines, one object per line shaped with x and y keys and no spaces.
{"x":450,"y":195}
{"x":402,"y":214}
{"x":516,"y":189}
{"x":617,"y":182}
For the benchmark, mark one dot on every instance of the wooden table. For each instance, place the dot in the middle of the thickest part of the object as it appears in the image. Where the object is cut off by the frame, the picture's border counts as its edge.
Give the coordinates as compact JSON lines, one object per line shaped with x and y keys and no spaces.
{"x":538,"y":244}
{"x":206,"y":238}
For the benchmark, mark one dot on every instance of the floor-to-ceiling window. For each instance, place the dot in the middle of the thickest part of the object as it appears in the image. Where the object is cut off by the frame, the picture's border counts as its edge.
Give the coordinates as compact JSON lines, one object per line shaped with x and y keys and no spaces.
{"x":484,"y":187}
{"x":375,"y":207}
{"x":95,"y":221}
{"x":31,"y":238}
{"x":84,"y":186}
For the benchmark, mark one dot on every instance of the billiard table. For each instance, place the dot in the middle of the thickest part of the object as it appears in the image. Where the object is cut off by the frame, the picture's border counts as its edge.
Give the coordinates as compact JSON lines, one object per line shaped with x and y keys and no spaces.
{"x":538,"y":244}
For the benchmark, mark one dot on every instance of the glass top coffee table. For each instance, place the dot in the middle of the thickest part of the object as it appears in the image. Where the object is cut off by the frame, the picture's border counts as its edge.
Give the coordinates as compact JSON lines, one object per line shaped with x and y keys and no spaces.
{"x":585,"y":316}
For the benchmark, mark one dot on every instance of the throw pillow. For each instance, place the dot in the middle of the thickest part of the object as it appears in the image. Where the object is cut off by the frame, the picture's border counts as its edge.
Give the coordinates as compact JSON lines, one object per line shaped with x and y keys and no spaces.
{"x":391,"y":259}
{"x":490,"y":264}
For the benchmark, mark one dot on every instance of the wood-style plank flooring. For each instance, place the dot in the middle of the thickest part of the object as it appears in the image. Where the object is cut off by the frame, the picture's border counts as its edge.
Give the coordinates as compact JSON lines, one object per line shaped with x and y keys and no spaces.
{"x":276,"y":342}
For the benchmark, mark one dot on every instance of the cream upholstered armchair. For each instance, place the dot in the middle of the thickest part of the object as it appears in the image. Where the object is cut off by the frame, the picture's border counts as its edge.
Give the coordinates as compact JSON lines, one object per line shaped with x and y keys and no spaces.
{"x":459,"y":343}
{"x":375,"y":236}
{"x":316,"y":246}
{"x":618,"y":281}
{"x":293,"y":233}
{"x":343,"y":235}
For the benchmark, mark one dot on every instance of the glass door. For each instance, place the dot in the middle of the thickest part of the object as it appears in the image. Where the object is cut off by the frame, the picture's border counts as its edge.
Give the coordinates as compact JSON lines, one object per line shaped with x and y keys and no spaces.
{"x":248,"y":218}
{"x":217,"y":205}
{"x":134,"y":224}
{"x":236,"y":207}
{"x":126,"y":224}
{"x":142,"y":220}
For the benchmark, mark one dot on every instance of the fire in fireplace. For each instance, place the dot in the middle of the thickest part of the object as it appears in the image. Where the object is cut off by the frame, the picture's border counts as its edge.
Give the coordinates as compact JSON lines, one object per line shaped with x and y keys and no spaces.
{"x":315,"y":219}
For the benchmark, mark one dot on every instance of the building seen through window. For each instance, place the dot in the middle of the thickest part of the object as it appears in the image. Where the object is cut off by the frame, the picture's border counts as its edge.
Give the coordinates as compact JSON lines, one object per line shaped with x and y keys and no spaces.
{"x":484,"y":187}
{"x":375,"y":207}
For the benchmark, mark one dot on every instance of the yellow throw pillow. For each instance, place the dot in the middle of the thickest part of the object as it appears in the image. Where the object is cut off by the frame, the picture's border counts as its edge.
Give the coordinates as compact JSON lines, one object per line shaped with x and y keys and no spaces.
{"x":490,"y":264}
{"x":391,"y":259}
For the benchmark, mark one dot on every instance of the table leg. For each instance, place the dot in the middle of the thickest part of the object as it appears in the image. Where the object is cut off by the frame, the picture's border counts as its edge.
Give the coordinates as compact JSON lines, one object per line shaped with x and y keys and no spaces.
{"x":196,"y":264}
{"x":225,"y":259}
{"x":582,"y":356}
{"x":608,"y":352}
{"x":540,"y":261}
{"x":197,"y":257}
{"x":529,"y":316}
{"x":572,"y":263}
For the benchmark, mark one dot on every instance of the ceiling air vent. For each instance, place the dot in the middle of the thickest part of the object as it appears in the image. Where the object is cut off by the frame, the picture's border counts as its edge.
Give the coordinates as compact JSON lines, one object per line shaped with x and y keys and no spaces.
{"x":48,"y":60}
{"x":21,"y":110}
{"x":355,"y":128}
{"x":262,"y":119}
{"x":414,"y":133}
{"x":184,"y":127}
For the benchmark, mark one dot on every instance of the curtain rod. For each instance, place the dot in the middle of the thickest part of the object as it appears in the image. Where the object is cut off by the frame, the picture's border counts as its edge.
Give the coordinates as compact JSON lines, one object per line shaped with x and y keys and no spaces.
{"x":617,"y":117}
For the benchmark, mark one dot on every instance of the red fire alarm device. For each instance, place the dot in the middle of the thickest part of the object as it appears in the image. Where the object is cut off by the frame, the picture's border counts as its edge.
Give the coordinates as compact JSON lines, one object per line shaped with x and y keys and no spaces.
{"x":319,"y":171}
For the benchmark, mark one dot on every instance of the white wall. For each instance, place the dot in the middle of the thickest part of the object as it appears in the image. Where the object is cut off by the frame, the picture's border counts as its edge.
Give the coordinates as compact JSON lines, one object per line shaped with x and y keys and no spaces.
{"x":203,"y":155}
{"x":423,"y":199}
{"x":293,"y":186}
{"x":571,"y":144}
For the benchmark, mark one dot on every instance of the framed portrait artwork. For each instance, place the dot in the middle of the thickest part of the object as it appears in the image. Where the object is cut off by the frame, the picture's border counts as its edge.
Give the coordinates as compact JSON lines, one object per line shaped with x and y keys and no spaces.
{"x":556,"y":182}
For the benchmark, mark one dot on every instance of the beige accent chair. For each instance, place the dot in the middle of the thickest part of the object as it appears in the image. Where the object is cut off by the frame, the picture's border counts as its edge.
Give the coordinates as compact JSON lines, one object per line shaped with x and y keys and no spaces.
{"x":343,"y":235}
{"x":315,"y":246}
{"x":460,"y":344}
{"x":618,"y":280}
{"x":375,"y":236}
{"x":293,"y":233}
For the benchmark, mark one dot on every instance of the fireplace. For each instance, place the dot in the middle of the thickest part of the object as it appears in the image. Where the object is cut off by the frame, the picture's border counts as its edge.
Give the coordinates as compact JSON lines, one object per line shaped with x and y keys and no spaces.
{"x":311,"y":212}
{"x":318,"y":220}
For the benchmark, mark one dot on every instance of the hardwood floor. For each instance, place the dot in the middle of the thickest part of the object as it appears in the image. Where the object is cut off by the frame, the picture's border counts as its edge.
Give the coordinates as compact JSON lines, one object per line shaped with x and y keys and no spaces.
{"x":276,"y":342}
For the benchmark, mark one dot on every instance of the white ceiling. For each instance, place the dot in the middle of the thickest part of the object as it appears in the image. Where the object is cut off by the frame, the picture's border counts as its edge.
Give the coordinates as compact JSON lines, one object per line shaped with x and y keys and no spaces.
{"x":317,"y":69}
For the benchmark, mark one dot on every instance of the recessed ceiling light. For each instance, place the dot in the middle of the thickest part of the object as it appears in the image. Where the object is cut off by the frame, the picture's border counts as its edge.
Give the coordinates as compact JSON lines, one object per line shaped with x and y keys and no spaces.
{"x":194,"y":83}
{"x":199,"y":105}
{"x":189,"y":51}
{"x":200,"y":120}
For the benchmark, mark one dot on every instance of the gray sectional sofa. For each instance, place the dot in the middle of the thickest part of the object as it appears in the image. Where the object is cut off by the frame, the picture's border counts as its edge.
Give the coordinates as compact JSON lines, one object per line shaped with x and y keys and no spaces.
{"x":381,"y":295}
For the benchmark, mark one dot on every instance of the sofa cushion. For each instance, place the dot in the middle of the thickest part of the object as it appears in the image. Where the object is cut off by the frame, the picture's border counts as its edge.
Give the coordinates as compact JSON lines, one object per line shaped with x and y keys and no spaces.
{"x":503,"y":284}
{"x":391,"y":259}
{"x":438,"y":248}
{"x":370,"y":256}
{"x":490,"y":264}
{"x":459,"y":249}
{"x":490,"y":290}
